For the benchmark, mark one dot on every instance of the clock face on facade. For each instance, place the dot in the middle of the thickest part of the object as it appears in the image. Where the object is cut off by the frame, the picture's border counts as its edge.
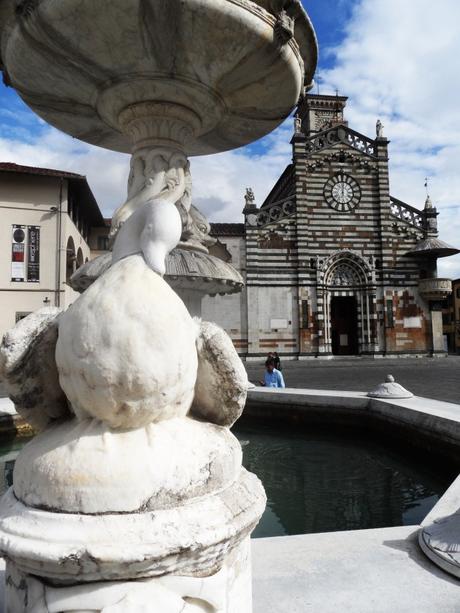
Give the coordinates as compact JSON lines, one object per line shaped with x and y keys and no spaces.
{"x":342,"y":192}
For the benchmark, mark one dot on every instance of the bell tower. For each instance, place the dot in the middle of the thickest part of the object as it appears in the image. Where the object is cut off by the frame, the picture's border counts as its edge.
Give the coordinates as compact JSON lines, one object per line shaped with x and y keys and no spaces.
{"x":319,"y":112}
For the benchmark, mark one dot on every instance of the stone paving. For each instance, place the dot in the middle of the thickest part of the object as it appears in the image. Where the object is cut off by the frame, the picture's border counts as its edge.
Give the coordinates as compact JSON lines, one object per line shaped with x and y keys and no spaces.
{"x":437,"y":378}
{"x":432,"y":378}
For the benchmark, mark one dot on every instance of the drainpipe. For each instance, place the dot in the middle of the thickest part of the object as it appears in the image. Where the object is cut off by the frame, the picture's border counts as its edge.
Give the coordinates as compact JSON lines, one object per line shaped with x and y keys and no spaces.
{"x":57,"y":293}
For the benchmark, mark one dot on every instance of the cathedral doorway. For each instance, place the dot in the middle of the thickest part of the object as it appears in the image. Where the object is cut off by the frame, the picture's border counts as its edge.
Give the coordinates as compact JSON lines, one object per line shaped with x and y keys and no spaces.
{"x":344,"y":325}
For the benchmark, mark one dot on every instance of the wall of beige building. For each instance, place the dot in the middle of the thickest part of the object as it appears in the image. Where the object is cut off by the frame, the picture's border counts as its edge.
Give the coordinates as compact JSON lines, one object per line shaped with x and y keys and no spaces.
{"x":36,"y":201}
{"x":230,"y":311}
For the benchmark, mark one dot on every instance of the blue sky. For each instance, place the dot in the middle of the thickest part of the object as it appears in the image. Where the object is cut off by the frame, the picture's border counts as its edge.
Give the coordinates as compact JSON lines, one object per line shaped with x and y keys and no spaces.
{"x":393,"y":58}
{"x":330,"y":18}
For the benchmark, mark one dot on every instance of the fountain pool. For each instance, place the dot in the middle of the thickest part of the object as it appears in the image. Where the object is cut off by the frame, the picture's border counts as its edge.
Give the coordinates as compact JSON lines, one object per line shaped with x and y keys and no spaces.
{"x":325,"y":481}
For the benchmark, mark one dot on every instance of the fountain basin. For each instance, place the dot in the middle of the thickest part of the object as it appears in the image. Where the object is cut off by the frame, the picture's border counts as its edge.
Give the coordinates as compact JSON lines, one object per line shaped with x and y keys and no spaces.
{"x":215,"y":74}
{"x":186,"y":269}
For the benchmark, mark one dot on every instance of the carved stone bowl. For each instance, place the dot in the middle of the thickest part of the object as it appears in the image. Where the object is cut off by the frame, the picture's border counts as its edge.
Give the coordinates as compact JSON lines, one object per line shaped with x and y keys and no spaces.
{"x":213,"y":74}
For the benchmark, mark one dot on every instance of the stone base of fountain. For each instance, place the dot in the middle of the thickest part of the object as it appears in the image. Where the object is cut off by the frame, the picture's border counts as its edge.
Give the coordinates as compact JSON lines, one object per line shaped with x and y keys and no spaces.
{"x":174,"y":493}
{"x":228,"y":590}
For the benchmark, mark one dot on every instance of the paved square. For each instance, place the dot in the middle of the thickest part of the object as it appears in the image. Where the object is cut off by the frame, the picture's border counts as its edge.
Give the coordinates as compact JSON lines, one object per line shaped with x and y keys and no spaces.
{"x":437,"y":378}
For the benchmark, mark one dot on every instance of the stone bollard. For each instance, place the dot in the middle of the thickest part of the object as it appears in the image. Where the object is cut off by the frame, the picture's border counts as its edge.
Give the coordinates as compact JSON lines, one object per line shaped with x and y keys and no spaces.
{"x":390,"y":390}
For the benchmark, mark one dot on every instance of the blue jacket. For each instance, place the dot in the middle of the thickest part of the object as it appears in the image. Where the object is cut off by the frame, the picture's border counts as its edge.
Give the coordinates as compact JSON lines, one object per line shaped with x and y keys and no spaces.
{"x":274,"y":379}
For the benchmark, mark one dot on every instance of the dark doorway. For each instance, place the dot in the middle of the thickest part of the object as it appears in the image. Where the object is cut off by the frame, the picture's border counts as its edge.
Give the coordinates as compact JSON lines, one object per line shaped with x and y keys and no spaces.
{"x":344,"y":325}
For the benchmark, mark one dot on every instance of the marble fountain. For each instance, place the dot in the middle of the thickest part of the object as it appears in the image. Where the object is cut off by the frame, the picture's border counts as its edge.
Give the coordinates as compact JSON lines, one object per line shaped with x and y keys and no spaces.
{"x":132,"y":496}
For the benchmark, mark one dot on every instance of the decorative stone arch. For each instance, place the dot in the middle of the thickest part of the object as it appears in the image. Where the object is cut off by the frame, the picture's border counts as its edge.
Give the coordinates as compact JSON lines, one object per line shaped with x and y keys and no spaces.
{"x":355,"y":269}
{"x":346,"y":273}
{"x":80,"y":258}
{"x":71,"y":258}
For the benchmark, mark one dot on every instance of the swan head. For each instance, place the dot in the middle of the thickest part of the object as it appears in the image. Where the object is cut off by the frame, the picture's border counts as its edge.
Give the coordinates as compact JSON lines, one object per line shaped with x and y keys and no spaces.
{"x":153,"y":230}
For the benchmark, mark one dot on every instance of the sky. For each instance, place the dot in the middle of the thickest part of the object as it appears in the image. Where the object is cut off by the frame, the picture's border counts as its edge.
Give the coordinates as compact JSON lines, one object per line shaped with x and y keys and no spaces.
{"x":396,"y":60}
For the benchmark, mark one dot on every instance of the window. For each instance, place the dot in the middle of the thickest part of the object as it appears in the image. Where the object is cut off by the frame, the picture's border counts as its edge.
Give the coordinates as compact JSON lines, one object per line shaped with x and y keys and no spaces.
{"x":458,"y":292}
{"x":103,"y":243}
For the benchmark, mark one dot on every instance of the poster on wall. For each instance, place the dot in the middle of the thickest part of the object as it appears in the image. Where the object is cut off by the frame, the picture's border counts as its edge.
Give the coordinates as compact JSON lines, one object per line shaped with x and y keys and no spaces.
{"x":18,"y":254}
{"x":33,"y":254}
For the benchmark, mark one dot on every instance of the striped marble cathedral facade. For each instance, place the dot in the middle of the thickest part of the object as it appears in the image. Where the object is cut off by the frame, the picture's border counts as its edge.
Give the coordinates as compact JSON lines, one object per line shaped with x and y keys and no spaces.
{"x":333,"y":264}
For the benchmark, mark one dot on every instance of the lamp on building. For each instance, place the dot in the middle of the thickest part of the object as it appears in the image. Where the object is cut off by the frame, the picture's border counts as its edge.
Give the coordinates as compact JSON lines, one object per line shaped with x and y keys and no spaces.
{"x":46,"y":301}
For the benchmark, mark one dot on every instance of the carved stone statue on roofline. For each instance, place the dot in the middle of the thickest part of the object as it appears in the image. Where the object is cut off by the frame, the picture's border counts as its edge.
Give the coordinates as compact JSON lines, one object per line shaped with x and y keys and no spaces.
{"x":298,"y":124}
{"x":249,"y":197}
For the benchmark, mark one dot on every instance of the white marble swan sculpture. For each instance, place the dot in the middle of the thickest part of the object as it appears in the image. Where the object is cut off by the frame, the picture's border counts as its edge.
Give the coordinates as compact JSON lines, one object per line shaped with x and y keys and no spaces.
{"x":154,"y":229}
{"x":128,"y":352}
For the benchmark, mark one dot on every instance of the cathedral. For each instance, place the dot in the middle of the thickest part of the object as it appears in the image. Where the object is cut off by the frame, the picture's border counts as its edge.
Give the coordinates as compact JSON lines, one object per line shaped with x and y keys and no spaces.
{"x":333,"y":264}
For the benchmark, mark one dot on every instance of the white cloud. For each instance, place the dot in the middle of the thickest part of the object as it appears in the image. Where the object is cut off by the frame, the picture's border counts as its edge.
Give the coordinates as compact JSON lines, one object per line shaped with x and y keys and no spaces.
{"x":107,"y":172}
{"x":219,"y":180}
{"x":398,"y":62}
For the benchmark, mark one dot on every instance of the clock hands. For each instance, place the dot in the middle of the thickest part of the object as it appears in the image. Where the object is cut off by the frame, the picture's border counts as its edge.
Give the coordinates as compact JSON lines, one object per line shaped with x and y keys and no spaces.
{"x":342,"y":192}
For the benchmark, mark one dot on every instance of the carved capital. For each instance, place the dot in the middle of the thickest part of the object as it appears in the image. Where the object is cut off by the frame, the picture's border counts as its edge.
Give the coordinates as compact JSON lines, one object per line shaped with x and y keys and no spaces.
{"x":156,"y":173}
{"x":156,"y":123}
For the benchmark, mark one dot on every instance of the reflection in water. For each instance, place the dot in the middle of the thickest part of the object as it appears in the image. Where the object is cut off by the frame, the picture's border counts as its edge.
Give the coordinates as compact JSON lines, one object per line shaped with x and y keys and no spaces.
{"x":324,"y":482}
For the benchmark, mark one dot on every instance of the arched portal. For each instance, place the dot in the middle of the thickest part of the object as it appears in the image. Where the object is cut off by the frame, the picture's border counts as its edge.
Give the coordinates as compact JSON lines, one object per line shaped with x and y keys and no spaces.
{"x":347,"y":298}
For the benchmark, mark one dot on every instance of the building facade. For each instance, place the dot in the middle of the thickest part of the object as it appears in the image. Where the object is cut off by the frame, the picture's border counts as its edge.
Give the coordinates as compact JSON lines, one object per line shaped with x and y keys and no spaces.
{"x":47,"y":218}
{"x":455,"y":317}
{"x":334,"y":265}
{"x":451,"y":319}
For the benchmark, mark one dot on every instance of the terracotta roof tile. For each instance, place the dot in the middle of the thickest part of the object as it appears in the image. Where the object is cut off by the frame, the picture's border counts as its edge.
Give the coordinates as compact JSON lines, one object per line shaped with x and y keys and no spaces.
{"x":33,"y":170}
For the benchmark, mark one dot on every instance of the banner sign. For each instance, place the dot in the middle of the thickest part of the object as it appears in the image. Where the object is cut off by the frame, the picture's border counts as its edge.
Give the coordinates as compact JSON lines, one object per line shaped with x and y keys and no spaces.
{"x":18,"y":254}
{"x":33,"y":254}
{"x":25,"y":239}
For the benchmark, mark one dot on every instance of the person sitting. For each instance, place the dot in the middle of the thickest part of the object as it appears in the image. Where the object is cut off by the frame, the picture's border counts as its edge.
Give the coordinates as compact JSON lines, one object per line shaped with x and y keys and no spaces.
{"x":273,"y":377}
